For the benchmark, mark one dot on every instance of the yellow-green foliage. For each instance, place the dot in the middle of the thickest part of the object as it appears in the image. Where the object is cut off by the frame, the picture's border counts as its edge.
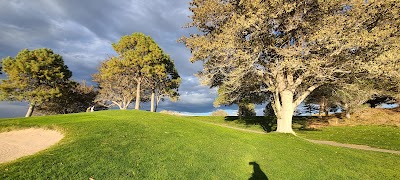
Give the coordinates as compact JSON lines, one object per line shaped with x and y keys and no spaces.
{"x":140,"y":63}
{"x":33,"y":76}
{"x":219,"y":112}
{"x":293,"y":47}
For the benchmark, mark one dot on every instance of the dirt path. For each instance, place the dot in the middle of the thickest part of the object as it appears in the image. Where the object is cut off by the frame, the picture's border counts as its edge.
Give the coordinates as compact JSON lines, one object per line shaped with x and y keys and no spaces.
{"x":331,"y":143}
{"x":16,"y":144}
{"x":353,"y":146}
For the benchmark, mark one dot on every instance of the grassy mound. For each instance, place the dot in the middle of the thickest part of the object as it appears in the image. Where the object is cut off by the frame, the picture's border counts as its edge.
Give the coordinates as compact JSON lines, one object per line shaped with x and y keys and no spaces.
{"x":143,"y":145}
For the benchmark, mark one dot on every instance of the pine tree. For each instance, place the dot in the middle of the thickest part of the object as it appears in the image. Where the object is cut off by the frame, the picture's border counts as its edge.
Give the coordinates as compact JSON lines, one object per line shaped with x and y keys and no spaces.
{"x":34,"y":76}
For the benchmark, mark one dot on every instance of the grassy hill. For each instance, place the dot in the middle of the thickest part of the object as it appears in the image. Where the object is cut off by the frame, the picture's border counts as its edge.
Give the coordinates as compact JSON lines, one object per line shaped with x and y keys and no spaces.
{"x":143,"y":145}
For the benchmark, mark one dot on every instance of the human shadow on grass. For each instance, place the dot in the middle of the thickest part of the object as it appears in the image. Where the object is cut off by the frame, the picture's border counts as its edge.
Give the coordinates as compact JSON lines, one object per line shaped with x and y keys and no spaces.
{"x":257,"y":174}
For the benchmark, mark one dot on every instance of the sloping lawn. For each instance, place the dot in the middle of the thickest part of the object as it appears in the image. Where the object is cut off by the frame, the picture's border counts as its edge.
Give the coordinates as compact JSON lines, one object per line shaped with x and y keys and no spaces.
{"x":142,"y":145}
{"x":385,"y":137}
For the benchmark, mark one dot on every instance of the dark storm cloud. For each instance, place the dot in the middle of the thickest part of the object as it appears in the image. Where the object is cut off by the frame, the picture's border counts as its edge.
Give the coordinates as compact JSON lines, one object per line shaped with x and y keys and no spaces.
{"x":82,"y":32}
{"x":13,"y":109}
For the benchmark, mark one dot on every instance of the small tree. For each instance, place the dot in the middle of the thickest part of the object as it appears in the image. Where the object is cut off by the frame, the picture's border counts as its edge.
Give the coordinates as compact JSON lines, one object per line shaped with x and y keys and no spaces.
{"x":323,"y":96}
{"x":246,"y":109}
{"x":34,"y":76}
{"x":219,"y":112}
{"x":163,"y":82}
{"x":269,"y":111}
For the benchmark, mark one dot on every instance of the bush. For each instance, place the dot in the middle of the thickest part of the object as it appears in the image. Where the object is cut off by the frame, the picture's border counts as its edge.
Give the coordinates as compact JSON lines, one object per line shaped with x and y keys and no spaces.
{"x":219,"y":112}
{"x":171,"y":113}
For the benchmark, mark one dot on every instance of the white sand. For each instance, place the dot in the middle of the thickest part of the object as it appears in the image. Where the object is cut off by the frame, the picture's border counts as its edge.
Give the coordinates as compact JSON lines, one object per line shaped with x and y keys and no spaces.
{"x":16,"y":144}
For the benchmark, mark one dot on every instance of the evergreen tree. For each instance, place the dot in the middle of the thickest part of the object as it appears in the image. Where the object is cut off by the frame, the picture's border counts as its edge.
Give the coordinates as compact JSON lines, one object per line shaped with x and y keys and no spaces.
{"x":76,"y":97}
{"x":294,"y":46}
{"x":34,"y":76}
{"x":142,"y":56}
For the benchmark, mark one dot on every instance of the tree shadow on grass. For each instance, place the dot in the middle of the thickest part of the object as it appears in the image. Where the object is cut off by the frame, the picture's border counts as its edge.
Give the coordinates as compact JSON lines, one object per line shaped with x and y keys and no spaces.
{"x":257,"y":174}
{"x":267,"y":123}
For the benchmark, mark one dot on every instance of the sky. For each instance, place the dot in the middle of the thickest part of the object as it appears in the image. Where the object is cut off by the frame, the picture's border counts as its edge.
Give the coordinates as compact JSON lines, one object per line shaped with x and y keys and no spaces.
{"x":83,"y":31}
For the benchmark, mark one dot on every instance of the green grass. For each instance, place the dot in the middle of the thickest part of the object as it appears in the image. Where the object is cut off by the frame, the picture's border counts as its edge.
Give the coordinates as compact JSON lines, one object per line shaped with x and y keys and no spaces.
{"x":385,"y":137}
{"x":143,"y":145}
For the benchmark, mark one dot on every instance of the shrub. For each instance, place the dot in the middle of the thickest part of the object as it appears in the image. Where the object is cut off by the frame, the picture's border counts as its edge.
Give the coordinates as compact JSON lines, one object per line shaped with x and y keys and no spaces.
{"x":219,"y":112}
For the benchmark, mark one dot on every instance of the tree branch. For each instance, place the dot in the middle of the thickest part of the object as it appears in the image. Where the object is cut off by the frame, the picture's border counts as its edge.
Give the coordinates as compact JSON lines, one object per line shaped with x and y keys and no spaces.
{"x":305,"y":94}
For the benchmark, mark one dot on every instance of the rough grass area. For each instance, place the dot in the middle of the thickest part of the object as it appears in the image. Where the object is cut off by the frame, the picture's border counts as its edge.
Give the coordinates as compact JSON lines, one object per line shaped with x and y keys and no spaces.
{"x":143,"y":145}
{"x":376,"y":116}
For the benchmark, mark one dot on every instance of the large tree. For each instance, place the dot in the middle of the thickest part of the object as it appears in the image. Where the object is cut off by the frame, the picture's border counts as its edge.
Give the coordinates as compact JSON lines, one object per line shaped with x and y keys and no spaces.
{"x":33,"y":76}
{"x":116,"y":83}
{"x":163,"y":82}
{"x":142,"y":56}
{"x":293,"y":46}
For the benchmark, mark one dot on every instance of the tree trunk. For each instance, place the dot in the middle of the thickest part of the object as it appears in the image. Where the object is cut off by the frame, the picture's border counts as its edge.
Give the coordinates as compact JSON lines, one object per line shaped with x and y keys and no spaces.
{"x":348,"y":115}
{"x":152,"y":101}
{"x":326,"y":112}
{"x":285,"y":120}
{"x":347,"y":109}
{"x":137,"y":102}
{"x":30,"y":110}
{"x":240,"y":111}
{"x":321,"y":108}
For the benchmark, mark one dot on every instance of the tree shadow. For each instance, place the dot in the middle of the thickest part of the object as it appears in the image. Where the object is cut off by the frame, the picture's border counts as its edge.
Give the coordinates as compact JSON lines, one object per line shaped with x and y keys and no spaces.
{"x":267,"y":123}
{"x":307,"y":123}
{"x":257,"y":174}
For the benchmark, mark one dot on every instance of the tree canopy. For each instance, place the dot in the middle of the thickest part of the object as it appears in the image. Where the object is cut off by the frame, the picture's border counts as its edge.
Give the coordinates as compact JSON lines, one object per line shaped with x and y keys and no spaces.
{"x":34,"y":76}
{"x":141,"y":63}
{"x":294,"y":46}
{"x":75,"y":97}
{"x":116,"y":84}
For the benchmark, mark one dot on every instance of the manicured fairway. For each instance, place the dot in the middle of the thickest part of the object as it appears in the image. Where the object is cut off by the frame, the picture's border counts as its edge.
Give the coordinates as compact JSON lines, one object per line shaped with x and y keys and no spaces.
{"x":142,"y":145}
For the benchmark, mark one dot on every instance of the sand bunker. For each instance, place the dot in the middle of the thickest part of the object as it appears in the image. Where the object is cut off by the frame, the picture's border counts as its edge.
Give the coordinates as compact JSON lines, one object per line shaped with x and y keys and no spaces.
{"x":15,"y":144}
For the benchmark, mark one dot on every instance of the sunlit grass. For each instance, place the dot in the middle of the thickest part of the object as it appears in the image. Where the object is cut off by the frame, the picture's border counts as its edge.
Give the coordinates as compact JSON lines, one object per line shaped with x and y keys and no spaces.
{"x":386,"y":137}
{"x":143,"y":145}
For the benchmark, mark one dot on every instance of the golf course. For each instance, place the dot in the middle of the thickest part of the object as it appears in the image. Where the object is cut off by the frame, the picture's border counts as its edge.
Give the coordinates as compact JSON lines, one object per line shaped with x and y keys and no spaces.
{"x":134,"y":144}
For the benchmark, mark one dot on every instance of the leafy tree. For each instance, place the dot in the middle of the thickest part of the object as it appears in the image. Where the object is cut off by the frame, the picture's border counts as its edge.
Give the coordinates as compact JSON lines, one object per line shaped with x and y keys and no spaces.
{"x":34,"y":76}
{"x":378,"y":100}
{"x":245,"y":87}
{"x":293,"y":46}
{"x":76,"y":97}
{"x":143,"y":58}
{"x":219,"y":112}
{"x":116,"y":83}
{"x":352,"y":96}
{"x":269,"y":110}
{"x":163,"y":82}
{"x":324,"y":97}
{"x":246,"y":110}
{"x":243,"y":90}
